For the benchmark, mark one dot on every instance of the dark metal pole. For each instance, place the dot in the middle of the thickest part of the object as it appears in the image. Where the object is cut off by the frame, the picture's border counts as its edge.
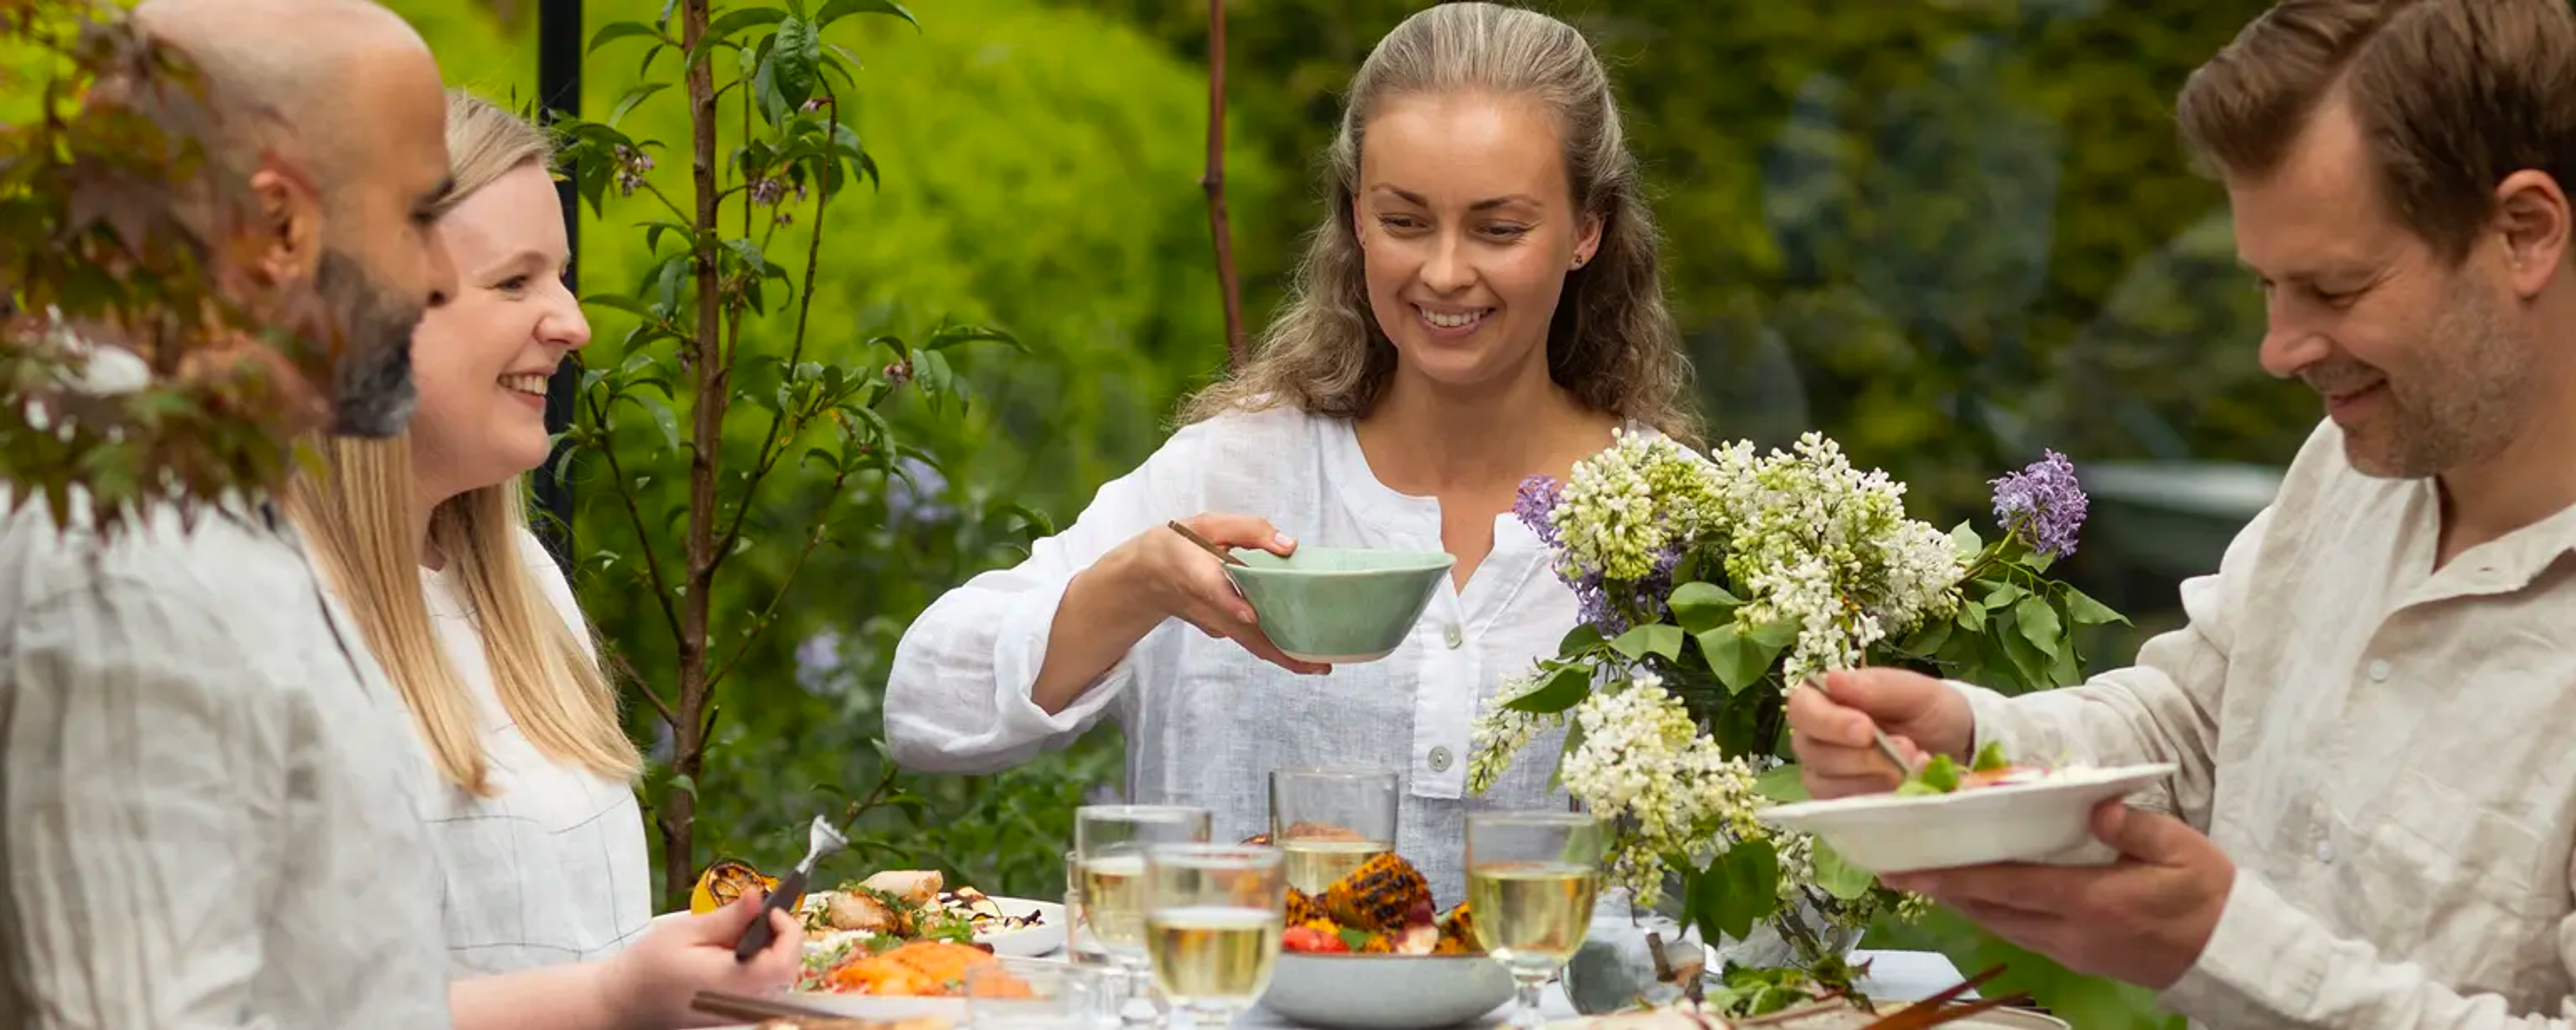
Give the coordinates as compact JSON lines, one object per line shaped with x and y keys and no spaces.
{"x":559,"y":89}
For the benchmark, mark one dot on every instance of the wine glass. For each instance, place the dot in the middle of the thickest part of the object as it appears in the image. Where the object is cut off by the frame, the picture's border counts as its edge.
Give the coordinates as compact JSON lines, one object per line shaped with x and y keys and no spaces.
{"x":1531,"y":880}
{"x":1330,"y":821}
{"x":1109,"y":841}
{"x":1213,"y":917}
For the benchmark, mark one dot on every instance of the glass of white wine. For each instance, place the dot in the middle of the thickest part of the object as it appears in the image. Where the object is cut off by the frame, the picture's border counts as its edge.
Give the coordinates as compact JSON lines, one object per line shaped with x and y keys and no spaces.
{"x":1213,"y":917}
{"x":1109,"y":843}
{"x":1330,"y":821}
{"x":1531,"y":880}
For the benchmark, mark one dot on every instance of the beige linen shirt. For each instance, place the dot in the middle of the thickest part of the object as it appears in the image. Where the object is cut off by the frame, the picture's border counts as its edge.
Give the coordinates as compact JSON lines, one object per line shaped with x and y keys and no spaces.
{"x":2382,"y":747}
{"x":211,"y":797}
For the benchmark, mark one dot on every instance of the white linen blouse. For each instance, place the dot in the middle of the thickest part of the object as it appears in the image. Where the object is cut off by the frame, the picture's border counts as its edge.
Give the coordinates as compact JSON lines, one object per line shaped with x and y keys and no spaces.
{"x":1205,"y":721}
{"x":551,"y":868}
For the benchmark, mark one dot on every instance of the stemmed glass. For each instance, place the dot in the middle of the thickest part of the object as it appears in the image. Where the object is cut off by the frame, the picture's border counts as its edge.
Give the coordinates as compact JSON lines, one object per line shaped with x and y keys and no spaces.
{"x":1028,"y":994}
{"x":1110,"y":841}
{"x":1213,"y":917}
{"x":1331,"y":821}
{"x":1531,"y":880}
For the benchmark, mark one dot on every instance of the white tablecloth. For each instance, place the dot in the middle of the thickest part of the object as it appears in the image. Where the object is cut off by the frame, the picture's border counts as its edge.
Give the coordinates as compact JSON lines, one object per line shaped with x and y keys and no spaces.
{"x":1893,"y":976}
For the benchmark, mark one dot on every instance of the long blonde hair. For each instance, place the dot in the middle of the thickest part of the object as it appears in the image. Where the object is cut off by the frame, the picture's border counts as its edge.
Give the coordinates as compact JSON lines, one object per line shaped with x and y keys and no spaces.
{"x":1612,"y":342}
{"x":358,"y":514}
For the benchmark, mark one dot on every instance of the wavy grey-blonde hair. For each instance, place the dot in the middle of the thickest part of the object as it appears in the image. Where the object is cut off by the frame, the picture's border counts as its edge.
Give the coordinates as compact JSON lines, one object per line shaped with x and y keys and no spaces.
{"x":1612,"y":342}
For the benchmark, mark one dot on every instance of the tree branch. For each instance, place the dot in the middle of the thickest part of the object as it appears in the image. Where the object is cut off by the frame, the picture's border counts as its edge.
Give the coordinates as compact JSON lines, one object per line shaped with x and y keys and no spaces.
{"x":769,"y":449}
{"x":813,"y":539}
{"x":627,"y":670}
{"x":1213,"y":182}
{"x":635,"y":515}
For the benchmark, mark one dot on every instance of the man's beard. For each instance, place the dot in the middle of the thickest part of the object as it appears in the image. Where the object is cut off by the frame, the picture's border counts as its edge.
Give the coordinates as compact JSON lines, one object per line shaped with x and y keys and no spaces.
{"x":373,"y":395}
{"x":2461,"y":401}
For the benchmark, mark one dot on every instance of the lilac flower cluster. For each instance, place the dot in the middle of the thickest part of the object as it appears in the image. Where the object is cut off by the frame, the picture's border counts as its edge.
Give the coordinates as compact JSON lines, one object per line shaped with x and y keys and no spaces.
{"x":1535,"y":506}
{"x":2044,"y":502}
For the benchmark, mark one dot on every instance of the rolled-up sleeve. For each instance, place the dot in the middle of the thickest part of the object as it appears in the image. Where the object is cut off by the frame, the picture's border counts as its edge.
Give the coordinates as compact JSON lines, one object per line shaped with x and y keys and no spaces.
{"x":2270,"y":964}
{"x":139,"y":770}
{"x":959,"y":697}
{"x":2164,"y":708}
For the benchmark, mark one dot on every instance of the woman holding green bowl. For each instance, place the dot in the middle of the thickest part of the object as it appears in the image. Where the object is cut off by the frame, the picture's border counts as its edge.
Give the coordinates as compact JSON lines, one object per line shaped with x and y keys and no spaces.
{"x":1482,"y":305}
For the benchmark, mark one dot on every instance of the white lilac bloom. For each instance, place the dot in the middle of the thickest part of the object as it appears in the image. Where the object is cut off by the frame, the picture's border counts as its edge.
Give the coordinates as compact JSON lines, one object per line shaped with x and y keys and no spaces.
{"x":1643,"y":763}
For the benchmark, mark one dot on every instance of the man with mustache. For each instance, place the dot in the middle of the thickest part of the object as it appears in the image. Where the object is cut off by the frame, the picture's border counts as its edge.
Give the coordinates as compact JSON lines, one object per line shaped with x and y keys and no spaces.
{"x":210,"y":795}
{"x":2372,"y":820}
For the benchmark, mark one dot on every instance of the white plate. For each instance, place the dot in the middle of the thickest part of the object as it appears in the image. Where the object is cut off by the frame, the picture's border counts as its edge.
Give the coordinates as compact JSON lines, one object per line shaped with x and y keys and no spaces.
{"x":1025,"y":942}
{"x":2047,"y":821}
{"x":1386,"y":992}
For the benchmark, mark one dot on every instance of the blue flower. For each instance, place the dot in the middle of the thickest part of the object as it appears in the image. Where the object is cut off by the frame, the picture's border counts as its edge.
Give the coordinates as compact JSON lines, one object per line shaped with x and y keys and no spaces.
{"x":2044,"y":502}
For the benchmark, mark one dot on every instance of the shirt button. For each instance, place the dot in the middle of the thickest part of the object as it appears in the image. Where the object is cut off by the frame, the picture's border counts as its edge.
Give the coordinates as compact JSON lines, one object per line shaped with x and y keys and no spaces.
{"x":2379,"y":672}
{"x":2325,"y":851}
{"x":1454,"y":637}
{"x":1440,"y":759}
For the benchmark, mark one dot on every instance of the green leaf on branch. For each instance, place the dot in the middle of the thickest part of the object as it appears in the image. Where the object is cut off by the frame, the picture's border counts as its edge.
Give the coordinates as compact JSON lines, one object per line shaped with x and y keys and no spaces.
{"x":617,"y":30}
{"x":1782,"y":784}
{"x":1573,"y":742}
{"x":1561,"y":690}
{"x":1964,"y":542}
{"x":1738,"y":889}
{"x":839,"y":9}
{"x":1837,"y":876}
{"x":663,"y":419}
{"x":735,"y":21}
{"x":1582,"y":638}
{"x":617,"y":302}
{"x":633,"y":97}
{"x":2037,"y":620}
{"x":1927,"y":639}
{"x":1701,"y":606}
{"x":796,"y":63}
{"x":2029,"y":665}
{"x":2085,"y":611}
{"x":1776,"y":635}
{"x":1999,"y":595}
{"x":1654,"y":638}
{"x":1738,"y":661}
{"x":951,"y":336}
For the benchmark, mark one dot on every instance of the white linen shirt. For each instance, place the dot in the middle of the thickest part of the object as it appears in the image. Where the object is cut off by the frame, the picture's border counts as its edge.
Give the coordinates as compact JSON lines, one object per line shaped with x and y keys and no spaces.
{"x":2381,"y":747}
{"x":551,"y":867}
{"x":212,"y":796}
{"x":1205,"y":721}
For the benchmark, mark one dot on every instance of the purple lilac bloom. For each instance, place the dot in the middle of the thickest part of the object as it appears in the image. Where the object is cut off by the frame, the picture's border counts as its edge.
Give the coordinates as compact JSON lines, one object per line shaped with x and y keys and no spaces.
{"x":1646,"y":596}
{"x":2045,"y":501}
{"x":1537,"y":501}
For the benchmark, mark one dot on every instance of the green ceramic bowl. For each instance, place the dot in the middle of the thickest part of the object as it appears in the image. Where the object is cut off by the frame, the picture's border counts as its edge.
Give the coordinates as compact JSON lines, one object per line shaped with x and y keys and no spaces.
{"x":1339,"y":605}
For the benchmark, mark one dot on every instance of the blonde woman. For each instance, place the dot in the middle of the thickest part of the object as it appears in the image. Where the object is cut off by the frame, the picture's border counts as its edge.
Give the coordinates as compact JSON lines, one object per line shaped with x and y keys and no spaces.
{"x":425,"y":544}
{"x":1482,"y":304}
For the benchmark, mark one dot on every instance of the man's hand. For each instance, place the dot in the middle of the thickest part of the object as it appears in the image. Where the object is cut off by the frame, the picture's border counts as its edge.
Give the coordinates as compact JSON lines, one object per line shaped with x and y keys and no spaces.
{"x":2144,"y":919}
{"x":1836,"y":755}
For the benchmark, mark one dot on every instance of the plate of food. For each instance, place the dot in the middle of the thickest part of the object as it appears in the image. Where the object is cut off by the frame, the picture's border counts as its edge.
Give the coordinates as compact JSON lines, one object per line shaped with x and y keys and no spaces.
{"x":909,"y":980}
{"x":912,"y":904}
{"x":1374,"y":952}
{"x":1992,"y":810}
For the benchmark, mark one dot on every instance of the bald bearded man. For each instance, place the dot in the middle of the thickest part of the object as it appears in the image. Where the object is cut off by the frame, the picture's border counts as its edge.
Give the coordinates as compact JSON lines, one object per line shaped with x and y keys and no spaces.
{"x":211,"y":798}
